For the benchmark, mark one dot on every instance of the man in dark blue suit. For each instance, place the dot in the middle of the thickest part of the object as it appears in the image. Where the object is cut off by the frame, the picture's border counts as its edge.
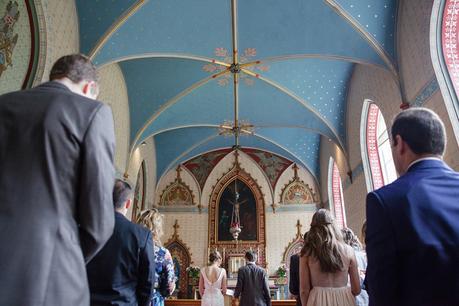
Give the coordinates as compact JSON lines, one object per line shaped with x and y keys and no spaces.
{"x":412,"y":236}
{"x":123,"y":272}
{"x":294,"y":278}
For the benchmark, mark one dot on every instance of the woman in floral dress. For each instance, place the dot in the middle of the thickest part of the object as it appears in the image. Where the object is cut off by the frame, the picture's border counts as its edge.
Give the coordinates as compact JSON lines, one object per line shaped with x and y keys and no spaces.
{"x":164,"y":274}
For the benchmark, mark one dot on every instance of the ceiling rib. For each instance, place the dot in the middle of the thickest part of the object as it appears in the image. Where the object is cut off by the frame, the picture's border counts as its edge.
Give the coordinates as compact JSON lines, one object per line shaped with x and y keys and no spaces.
{"x":370,"y":39}
{"x":115,"y":26}
{"x":164,"y":107}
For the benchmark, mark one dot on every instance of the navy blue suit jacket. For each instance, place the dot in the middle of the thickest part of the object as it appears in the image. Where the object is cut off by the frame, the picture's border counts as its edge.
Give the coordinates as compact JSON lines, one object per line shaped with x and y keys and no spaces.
{"x":412,"y":238}
{"x":123,"y":272}
{"x":294,"y":277}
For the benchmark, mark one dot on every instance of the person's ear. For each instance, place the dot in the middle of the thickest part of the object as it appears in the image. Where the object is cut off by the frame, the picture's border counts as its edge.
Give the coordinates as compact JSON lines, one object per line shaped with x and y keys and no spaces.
{"x":128,"y":204}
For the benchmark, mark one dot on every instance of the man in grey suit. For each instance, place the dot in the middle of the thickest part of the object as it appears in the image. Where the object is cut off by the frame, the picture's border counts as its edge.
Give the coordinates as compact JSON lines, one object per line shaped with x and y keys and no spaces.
{"x":252,"y":283}
{"x":56,"y":182}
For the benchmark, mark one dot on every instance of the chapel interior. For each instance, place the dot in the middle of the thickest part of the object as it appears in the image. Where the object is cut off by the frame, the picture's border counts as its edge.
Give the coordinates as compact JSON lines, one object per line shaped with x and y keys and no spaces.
{"x":238,"y":119}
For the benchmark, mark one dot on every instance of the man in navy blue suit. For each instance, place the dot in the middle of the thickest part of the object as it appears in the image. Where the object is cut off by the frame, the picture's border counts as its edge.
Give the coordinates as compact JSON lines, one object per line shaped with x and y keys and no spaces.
{"x":123,"y":272}
{"x":412,"y":236}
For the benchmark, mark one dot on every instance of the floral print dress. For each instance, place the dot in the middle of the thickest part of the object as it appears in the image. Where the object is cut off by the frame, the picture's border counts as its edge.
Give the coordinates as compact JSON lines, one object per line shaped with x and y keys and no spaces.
{"x":164,"y":275}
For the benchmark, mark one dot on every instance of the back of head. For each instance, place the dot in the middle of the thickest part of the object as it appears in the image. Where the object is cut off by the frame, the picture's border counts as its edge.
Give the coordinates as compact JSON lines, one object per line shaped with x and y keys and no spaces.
{"x":76,"y":67}
{"x":121,"y":193}
{"x":350,"y":238}
{"x":214,"y":256}
{"x":153,"y":220}
{"x":421,"y":129}
{"x":251,"y":256}
{"x":323,"y":242}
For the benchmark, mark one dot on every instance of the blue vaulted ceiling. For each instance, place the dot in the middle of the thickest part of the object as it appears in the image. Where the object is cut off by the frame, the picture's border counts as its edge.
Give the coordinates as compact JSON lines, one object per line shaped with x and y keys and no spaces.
{"x":296,"y":61}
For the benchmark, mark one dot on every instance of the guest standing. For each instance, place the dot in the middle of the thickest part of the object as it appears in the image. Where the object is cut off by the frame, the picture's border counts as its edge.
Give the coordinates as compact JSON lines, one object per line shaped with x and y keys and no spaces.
{"x":123,"y":272}
{"x":212,"y":281}
{"x":56,"y":183}
{"x":164,"y":270}
{"x":412,"y":238}
{"x":252,"y":283}
{"x":351,"y":239}
{"x":325,"y":264}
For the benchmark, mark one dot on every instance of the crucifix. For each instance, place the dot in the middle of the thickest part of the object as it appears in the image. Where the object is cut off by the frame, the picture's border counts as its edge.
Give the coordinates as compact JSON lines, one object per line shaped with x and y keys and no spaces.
{"x":298,"y":228}
{"x":176,"y":227}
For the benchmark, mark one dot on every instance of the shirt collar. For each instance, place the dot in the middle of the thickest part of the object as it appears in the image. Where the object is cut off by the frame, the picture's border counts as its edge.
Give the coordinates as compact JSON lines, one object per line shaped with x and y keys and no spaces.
{"x":420,"y":160}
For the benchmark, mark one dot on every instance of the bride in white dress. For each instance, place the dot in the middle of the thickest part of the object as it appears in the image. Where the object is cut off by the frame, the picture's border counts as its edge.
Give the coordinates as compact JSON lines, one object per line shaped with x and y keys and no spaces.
{"x":212,"y":282}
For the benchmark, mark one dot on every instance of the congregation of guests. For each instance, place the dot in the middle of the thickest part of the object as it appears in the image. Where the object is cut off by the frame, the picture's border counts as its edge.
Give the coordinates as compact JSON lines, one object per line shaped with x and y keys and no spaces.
{"x":62,"y":217}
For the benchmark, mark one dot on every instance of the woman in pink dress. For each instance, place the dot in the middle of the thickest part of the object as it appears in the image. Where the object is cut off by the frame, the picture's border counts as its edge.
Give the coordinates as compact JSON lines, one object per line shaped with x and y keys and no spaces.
{"x":325,"y":264}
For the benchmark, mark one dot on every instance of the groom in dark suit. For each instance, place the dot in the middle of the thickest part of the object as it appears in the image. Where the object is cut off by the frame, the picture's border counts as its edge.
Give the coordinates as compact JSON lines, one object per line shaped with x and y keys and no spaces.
{"x":252,"y":283}
{"x":412,"y":233}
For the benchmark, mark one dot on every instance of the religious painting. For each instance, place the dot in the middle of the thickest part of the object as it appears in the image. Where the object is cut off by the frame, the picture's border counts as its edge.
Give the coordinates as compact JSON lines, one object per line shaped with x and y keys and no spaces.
{"x":237,"y":200}
{"x":297,"y":193}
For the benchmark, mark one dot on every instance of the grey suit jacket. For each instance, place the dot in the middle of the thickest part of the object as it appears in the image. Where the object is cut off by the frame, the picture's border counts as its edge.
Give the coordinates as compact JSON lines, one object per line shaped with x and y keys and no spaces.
{"x":56,"y":183}
{"x":252,"y":286}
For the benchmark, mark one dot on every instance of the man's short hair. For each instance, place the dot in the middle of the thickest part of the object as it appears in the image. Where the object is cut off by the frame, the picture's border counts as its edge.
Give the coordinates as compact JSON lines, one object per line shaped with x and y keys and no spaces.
{"x":421,"y":129}
{"x":76,"y":67}
{"x":121,"y":193}
{"x":251,"y":256}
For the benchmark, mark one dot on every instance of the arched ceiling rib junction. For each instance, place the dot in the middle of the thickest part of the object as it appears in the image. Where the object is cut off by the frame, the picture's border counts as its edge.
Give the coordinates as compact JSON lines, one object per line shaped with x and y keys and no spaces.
{"x":294,"y":63}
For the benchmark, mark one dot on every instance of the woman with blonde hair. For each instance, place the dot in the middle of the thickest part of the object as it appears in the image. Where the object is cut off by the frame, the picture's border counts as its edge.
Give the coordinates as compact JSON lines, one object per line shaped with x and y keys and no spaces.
{"x":164,"y":274}
{"x":212,"y":281}
{"x":325,"y":263}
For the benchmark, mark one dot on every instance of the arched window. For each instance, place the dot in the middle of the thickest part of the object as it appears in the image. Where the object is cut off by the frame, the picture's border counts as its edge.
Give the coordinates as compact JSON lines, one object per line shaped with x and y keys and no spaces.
{"x":139,"y":193}
{"x":377,"y":158}
{"x":335,"y":194}
{"x":444,"y":42}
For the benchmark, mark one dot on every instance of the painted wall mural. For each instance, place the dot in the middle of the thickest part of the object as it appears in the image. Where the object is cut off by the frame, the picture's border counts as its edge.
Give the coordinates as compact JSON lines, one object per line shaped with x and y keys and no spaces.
{"x":8,"y":38}
{"x":202,"y":165}
{"x":272,"y":165}
{"x":177,"y":193}
{"x":19,"y":44}
{"x":297,"y":192}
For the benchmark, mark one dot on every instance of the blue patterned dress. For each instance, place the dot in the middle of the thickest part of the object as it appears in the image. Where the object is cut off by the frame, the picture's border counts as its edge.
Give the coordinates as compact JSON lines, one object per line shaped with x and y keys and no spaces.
{"x":164,"y":275}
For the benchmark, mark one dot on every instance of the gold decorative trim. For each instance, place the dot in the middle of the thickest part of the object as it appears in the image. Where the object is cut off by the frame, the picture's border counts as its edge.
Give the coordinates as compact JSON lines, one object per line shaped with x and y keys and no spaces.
{"x":296,"y":242}
{"x":296,"y":181}
{"x":177,"y":183}
{"x":176,"y":246}
{"x":115,"y":26}
{"x":372,"y":42}
{"x":239,"y":247}
{"x":165,"y":55}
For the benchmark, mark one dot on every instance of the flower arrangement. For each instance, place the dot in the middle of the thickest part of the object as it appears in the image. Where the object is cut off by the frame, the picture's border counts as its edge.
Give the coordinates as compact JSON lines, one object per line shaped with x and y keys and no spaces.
{"x":193,"y":272}
{"x":281,"y":272}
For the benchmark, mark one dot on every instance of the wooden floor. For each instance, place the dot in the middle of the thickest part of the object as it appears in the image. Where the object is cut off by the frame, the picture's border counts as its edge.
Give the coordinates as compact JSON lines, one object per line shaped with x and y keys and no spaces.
{"x":198,"y":303}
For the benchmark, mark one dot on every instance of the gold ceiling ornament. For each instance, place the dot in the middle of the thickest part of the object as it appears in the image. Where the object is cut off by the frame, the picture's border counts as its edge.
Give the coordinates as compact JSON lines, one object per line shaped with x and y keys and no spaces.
{"x":225,"y":63}
{"x":227,"y":128}
{"x":177,"y":193}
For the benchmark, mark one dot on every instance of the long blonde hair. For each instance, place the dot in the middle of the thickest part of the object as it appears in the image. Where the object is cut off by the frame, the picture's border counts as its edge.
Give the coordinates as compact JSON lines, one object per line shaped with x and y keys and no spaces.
{"x":153,"y":220}
{"x":323,"y":242}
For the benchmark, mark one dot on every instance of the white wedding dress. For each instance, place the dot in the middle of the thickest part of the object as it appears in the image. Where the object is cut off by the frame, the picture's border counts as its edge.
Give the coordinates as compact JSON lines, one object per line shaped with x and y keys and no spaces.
{"x":212,"y":291}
